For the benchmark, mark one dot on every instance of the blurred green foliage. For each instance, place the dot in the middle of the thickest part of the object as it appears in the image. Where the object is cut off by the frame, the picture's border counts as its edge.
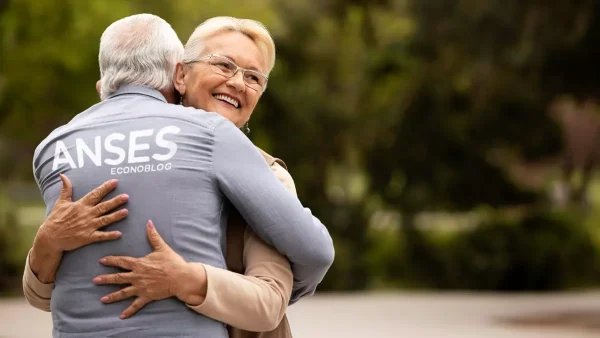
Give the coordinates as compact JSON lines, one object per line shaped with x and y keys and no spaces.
{"x":539,"y":252}
{"x":11,"y":245}
{"x":387,"y":107}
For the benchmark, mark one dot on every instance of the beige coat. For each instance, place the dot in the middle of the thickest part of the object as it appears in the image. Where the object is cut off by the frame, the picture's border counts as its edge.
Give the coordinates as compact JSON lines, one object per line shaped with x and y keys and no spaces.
{"x":252,"y":304}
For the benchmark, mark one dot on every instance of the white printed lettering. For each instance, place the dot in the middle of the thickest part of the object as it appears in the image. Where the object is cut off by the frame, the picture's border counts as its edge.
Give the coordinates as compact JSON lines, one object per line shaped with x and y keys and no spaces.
{"x":122,"y":151}
{"x":161,"y":142}
{"x":58,"y":149}
{"x":95,"y":156}
{"x":115,"y":150}
{"x":133,"y":146}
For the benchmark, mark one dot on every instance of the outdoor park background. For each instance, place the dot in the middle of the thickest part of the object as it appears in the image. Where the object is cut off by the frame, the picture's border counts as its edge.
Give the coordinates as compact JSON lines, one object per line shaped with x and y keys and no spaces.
{"x":432,"y":137}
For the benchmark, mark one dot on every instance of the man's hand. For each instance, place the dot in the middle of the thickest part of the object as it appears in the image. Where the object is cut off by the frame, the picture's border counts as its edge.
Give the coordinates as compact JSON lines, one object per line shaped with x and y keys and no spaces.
{"x":159,"y":275}
{"x":72,"y":225}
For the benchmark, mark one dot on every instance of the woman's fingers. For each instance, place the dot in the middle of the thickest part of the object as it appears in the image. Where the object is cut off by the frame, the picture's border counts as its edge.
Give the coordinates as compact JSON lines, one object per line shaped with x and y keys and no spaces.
{"x":124,"y":262}
{"x":124,"y":293}
{"x":96,"y":195}
{"x":66,"y":192}
{"x":116,"y":216}
{"x":102,"y":236}
{"x":115,"y":278}
{"x":111,"y":204}
{"x":136,"y":306}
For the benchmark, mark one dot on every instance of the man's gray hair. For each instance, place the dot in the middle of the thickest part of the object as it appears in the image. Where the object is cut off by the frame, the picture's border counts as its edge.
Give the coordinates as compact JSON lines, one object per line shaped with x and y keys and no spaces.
{"x":140,"y":49}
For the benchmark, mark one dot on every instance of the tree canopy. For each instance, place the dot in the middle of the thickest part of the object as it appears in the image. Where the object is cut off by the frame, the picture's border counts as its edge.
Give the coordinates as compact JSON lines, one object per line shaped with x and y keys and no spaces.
{"x":399,"y":105}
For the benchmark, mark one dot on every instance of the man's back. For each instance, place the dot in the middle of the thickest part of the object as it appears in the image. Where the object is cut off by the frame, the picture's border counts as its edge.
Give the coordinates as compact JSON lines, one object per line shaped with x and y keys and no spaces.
{"x":162,"y":156}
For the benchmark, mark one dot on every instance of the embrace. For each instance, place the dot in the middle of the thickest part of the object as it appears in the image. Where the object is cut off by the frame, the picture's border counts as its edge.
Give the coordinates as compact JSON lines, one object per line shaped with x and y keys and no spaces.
{"x":163,"y":219}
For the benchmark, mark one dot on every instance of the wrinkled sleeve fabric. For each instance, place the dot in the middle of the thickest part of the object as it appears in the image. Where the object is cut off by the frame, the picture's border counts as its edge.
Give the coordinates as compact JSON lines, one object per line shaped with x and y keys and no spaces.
{"x":37,"y":293}
{"x":273,"y":213}
{"x":258,"y":300}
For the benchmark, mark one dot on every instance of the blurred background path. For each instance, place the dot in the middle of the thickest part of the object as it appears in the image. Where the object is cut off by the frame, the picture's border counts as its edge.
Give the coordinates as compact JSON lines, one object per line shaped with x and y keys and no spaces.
{"x":448,"y":315}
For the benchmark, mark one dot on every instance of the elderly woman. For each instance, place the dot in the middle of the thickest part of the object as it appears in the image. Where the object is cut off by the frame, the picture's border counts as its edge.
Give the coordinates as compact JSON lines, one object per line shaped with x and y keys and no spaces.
{"x":225,"y":69}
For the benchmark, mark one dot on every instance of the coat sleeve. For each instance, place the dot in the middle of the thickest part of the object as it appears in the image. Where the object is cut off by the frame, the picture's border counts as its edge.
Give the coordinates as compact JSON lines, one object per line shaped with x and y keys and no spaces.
{"x":275,"y":215}
{"x":258,"y":300}
{"x":37,"y":293}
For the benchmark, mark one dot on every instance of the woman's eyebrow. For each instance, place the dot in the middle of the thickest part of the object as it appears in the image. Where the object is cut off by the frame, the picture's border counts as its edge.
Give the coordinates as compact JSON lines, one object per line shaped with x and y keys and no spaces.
{"x":233,"y":59}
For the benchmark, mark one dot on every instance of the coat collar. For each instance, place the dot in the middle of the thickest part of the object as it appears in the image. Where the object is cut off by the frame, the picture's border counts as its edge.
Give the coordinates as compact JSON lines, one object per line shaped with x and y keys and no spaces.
{"x":138,"y":89}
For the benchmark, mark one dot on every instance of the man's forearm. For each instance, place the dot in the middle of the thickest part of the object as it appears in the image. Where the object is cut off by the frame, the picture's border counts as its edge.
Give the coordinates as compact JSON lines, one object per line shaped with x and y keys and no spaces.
{"x":44,"y":258}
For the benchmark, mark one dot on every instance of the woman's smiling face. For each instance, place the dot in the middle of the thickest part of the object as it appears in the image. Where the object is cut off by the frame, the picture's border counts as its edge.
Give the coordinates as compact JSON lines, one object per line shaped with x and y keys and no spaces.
{"x":203,"y":88}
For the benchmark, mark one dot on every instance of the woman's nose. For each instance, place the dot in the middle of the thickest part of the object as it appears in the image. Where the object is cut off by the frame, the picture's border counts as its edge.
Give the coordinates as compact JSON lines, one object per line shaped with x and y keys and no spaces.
{"x":237,"y":81}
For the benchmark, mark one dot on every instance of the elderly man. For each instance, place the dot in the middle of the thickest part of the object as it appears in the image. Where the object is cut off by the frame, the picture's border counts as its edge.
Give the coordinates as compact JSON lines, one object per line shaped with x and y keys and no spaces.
{"x":182,"y":167}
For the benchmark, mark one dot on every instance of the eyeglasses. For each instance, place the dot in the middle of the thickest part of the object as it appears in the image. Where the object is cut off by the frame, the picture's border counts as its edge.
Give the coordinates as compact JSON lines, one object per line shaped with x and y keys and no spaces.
{"x":224,"y":66}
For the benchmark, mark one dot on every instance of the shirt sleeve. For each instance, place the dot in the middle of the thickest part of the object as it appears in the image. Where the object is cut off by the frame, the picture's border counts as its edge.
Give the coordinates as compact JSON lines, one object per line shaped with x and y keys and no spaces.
{"x":37,"y":293}
{"x":257,"y":301}
{"x":273,"y":213}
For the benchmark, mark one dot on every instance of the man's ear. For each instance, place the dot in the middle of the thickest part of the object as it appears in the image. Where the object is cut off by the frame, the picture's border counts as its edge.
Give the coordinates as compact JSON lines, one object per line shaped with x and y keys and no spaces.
{"x":98,"y":87}
{"x":179,"y":78}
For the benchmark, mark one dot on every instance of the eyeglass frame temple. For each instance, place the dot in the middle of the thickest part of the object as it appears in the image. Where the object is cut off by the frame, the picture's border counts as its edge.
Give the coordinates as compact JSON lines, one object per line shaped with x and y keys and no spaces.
{"x":207,"y":57}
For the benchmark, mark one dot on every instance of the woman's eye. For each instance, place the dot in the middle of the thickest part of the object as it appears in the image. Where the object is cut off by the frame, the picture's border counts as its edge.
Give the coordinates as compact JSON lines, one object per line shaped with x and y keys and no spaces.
{"x":252,"y":78}
{"x":224,"y":65}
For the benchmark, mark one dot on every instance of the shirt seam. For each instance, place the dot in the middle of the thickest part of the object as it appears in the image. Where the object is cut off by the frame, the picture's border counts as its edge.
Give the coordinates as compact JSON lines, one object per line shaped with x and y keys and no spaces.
{"x":209,"y":128}
{"x":137,"y":93}
{"x":214,"y":146}
{"x":214,"y":177}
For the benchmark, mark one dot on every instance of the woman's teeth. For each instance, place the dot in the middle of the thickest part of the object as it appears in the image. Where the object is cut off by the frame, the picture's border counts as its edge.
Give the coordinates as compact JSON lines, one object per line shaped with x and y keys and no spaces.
{"x":227,"y":99}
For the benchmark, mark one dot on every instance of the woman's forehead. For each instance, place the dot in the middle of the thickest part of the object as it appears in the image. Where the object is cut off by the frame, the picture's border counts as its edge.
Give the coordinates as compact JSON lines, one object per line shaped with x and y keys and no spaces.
{"x":237,"y":47}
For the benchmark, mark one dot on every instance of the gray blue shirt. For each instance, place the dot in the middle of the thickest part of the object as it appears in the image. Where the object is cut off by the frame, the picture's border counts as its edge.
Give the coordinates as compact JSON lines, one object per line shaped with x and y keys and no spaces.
{"x":184,"y":169}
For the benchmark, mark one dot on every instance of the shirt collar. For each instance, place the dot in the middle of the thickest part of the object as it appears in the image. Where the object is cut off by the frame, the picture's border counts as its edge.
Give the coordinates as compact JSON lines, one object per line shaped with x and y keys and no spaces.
{"x":138,"y":89}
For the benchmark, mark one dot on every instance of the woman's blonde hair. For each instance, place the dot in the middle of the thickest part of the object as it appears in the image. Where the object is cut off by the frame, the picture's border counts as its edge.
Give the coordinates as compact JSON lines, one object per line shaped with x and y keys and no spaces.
{"x":255,"y":30}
